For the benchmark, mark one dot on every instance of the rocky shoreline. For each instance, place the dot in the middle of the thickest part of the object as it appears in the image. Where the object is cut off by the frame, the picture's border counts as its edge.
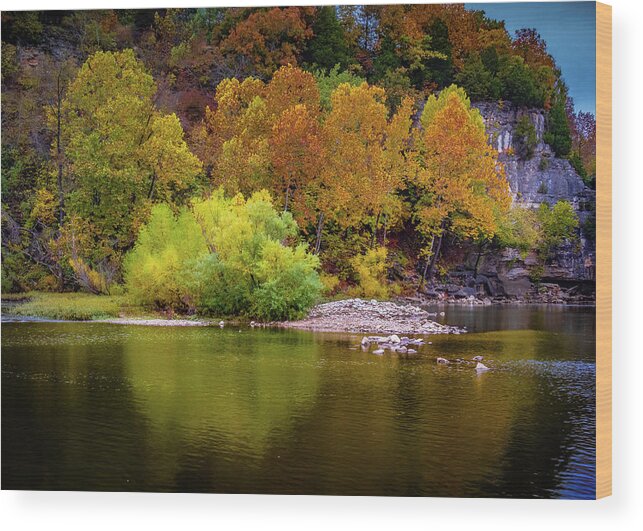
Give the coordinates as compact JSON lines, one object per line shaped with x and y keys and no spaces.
{"x":357,"y":315}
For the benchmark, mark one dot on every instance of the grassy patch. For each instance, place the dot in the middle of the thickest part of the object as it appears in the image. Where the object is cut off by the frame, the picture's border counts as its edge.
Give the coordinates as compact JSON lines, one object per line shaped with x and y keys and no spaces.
{"x":71,"y":306}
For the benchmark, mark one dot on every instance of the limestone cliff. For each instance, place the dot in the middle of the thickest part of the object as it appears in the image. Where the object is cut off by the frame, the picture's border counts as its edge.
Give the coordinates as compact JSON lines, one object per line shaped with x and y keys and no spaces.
{"x":541,"y":178}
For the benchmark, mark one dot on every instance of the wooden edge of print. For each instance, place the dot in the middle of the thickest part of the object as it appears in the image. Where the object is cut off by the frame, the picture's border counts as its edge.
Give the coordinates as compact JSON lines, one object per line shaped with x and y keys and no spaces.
{"x":603,"y":250}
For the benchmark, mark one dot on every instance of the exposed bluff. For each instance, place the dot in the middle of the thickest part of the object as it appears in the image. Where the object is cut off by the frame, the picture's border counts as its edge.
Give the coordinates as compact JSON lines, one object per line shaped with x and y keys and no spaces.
{"x":542,"y":178}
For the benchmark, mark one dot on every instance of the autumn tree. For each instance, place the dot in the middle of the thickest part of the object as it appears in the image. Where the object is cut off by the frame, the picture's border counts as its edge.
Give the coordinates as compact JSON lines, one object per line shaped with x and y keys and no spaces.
{"x":271,"y":38}
{"x":234,"y":138}
{"x":583,"y":136}
{"x":292,"y":86}
{"x":365,"y":158}
{"x":296,"y":152}
{"x":121,"y":153}
{"x":463,"y":188}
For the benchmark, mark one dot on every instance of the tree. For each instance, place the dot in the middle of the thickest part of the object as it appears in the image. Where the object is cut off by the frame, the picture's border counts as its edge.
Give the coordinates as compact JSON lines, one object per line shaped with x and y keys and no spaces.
{"x":558,"y":224}
{"x":463,"y":188}
{"x":519,"y":229}
{"x":121,"y":153}
{"x":234,"y":139}
{"x":477,"y":80}
{"x":525,"y":138}
{"x":328,"y":46}
{"x":223,"y":121}
{"x":583,"y":136}
{"x":365,"y":157}
{"x":292,"y":86}
{"x":296,"y":152}
{"x":532,"y":48}
{"x":558,"y":134}
{"x":271,"y":38}
{"x":327,"y":82}
{"x":518,"y":83}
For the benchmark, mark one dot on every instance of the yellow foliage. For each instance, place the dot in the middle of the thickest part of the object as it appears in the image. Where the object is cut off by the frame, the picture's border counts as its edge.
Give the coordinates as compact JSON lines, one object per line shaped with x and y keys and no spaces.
{"x":329,"y":283}
{"x":370,"y":269}
{"x":44,"y":209}
{"x":92,"y":280}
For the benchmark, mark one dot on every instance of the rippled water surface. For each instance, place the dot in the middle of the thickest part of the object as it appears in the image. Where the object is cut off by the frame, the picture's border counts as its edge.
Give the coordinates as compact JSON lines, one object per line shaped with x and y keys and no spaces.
{"x":88,"y":406}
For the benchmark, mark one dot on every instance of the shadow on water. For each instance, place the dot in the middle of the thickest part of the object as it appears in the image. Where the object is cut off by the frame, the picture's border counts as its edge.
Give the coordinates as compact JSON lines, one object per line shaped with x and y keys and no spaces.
{"x":106,"y":407}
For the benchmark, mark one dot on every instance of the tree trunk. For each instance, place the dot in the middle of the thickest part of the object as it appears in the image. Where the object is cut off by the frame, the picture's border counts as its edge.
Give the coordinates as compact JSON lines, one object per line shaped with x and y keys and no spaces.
{"x":287,"y":198}
{"x":320,"y":226}
{"x":475,"y":269}
{"x":426,"y":267}
{"x":374,"y":235}
{"x":61,"y":195}
{"x":151,"y":192}
{"x":435,"y":254}
{"x":384,"y":236}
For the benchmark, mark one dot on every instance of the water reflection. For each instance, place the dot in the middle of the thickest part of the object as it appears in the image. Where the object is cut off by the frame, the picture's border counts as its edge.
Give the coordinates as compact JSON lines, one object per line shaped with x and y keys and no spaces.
{"x":91,"y":406}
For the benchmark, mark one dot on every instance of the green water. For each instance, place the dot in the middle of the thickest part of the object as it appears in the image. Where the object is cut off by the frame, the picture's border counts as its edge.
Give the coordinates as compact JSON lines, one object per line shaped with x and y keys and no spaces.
{"x":109,"y":407}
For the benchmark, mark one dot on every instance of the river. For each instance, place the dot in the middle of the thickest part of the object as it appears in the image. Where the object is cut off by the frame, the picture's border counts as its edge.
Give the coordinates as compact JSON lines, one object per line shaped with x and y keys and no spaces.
{"x":92,"y":406}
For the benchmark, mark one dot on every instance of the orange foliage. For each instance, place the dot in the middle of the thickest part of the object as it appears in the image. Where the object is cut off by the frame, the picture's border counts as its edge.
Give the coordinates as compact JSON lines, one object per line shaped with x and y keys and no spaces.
{"x":292,"y":86}
{"x":271,"y":38}
{"x":365,"y":155}
{"x":296,"y":154}
{"x":459,"y":172}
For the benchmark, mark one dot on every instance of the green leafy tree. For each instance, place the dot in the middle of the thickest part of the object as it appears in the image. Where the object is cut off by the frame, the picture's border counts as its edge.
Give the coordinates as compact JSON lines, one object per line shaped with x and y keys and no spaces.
{"x":558,"y":133}
{"x":518,"y":83}
{"x":328,"y":81}
{"x":328,"y":46}
{"x":558,"y":224}
{"x":477,"y":80}
{"x":519,"y":229}
{"x":121,"y":153}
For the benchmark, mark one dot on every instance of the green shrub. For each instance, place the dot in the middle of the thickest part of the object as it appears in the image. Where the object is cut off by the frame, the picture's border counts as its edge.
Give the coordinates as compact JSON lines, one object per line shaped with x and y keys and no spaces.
{"x":370,"y":269}
{"x":525,"y":138}
{"x":251,"y":272}
{"x":289,"y":283}
{"x":577,"y":164}
{"x":224,"y":257}
{"x":519,"y":229}
{"x":558,"y":225}
{"x":543,"y":164}
{"x":330,"y":283}
{"x":156,"y":270}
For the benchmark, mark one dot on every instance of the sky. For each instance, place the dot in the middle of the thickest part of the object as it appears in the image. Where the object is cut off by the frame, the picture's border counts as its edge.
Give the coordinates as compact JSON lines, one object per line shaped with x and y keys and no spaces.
{"x":569,"y":29}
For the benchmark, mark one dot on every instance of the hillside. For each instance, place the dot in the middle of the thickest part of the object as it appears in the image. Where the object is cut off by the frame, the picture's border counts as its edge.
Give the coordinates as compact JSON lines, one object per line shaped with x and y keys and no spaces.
{"x":360,"y":121}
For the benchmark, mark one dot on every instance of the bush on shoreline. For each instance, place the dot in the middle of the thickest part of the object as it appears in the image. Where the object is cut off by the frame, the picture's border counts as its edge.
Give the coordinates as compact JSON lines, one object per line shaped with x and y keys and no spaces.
{"x":224,"y":257}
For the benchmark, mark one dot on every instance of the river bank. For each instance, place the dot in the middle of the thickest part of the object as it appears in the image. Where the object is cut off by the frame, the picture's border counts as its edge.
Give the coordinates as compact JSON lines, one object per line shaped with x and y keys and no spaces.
{"x":350,"y":315}
{"x":403,"y":316}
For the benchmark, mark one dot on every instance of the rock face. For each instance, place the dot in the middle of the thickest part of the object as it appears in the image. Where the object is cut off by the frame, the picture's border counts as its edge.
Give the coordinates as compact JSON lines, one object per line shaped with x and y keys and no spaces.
{"x":543,"y":178}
